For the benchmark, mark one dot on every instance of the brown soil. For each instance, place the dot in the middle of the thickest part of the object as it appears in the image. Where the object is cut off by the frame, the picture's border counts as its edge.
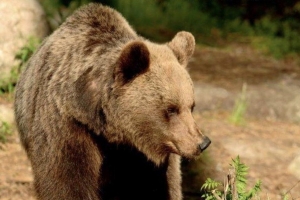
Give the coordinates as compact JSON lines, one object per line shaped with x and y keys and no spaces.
{"x":267,"y":142}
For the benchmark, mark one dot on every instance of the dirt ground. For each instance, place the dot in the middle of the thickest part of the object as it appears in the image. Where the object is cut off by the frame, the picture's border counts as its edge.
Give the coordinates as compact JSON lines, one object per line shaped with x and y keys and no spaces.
{"x":268,"y":141}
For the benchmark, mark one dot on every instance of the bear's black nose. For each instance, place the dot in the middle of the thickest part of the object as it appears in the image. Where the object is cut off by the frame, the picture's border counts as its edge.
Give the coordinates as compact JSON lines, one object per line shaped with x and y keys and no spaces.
{"x":206,"y":142}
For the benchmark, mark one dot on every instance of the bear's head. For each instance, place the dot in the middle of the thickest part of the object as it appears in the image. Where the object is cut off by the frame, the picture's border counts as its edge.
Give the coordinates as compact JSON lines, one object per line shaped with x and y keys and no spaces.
{"x":152,"y":99}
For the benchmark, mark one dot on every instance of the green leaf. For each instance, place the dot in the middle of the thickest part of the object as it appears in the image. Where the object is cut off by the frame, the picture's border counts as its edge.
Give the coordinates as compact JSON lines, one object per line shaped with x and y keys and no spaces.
{"x":210,"y":184}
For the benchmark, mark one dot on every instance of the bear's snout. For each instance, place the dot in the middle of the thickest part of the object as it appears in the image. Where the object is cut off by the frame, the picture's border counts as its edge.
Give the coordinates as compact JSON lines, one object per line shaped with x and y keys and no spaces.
{"x":205,"y":143}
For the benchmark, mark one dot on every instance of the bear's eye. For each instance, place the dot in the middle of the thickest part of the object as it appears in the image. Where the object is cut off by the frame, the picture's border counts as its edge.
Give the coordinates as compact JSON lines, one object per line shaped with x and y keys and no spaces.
{"x":172,"y":110}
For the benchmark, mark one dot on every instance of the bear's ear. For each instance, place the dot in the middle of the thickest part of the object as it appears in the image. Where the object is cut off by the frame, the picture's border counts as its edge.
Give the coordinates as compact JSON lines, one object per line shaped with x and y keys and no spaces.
{"x":133,"y":61}
{"x":183,"y":46}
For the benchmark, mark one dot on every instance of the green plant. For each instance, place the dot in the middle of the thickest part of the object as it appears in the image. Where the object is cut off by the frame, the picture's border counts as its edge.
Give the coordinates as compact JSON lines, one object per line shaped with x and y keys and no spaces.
{"x":234,"y":187}
{"x":238,"y":115}
{"x":5,"y":130}
{"x":161,"y":19}
{"x":25,"y":52}
{"x":151,"y":15}
{"x":277,"y":37}
{"x":7,"y":85}
{"x":285,"y":197}
{"x":58,"y":10}
{"x":185,"y":15}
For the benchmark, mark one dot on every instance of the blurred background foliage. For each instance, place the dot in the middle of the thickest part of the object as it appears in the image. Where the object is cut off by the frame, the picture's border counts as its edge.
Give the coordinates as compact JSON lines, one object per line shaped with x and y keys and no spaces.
{"x":272,"y":26}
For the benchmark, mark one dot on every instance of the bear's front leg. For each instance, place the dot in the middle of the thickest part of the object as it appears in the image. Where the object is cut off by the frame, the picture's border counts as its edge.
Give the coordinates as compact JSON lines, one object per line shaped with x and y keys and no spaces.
{"x":174,"y":177}
{"x":68,"y":169}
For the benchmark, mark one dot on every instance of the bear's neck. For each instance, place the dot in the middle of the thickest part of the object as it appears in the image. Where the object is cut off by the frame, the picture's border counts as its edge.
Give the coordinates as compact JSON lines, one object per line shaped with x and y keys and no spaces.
{"x":128,"y":173}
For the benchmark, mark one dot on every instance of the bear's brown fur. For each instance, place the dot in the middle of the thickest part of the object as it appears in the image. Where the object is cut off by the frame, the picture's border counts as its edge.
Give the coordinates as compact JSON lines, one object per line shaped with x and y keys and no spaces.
{"x":105,"y":114}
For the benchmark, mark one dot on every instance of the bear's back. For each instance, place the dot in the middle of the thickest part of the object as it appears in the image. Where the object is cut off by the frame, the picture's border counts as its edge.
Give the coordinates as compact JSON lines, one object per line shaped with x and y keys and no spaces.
{"x":92,"y":36}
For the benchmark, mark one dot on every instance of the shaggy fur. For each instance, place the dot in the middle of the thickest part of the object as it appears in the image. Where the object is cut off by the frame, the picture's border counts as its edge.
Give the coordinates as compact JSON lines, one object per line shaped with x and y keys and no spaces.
{"x":105,"y":114}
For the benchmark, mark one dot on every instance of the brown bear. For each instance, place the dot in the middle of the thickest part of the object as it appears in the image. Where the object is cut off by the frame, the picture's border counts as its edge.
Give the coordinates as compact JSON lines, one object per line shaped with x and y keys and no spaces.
{"x":106,"y":114}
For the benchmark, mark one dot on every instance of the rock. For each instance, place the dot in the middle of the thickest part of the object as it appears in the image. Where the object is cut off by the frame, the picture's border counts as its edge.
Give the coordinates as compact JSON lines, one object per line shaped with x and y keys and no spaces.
{"x":294,"y":167}
{"x":293,"y":110}
{"x":19,"y":19}
{"x":272,"y":100}
{"x":209,"y":97}
{"x":6,"y":113}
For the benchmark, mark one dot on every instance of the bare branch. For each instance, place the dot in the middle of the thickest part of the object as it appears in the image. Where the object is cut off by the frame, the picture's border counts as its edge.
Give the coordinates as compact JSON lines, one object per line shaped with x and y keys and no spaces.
{"x":231,"y":180}
{"x":215,"y":195}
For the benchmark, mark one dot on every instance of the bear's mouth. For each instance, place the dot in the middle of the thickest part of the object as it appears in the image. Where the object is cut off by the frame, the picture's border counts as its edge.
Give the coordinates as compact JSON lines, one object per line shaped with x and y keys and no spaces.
{"x":173,"y":148}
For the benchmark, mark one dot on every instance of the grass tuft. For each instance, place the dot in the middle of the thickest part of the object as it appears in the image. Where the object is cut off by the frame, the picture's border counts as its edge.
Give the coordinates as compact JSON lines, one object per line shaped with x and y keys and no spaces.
{"x":238,"y":115}
{"x":5,"y":130}
{"x":7,"y":85}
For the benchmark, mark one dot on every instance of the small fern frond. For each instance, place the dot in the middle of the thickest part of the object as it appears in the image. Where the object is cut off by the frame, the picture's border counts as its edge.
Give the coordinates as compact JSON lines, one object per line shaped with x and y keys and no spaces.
{"x":254,"y":191}
{"x":241,"y":170}
{"x":210,"y":184}
{"x":234,"y":187}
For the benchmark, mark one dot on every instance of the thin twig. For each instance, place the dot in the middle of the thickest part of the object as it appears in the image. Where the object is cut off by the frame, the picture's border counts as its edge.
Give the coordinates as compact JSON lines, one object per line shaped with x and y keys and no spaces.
{"x":215,"y":195}
{"x":292,"y":188}
{"x":225,"y":188}
{"x":268,"y":196}
{"x":231,"y":180}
